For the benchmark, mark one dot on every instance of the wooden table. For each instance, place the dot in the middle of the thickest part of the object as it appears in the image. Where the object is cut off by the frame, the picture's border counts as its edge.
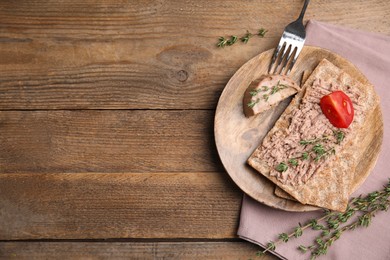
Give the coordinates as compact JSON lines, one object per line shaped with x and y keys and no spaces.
{"x":106,"y":122}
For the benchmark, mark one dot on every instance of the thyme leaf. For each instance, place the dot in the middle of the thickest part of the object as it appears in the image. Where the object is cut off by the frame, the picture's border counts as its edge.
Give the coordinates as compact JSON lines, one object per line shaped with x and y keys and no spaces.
{"x":298,"y":231}
{"x":232,"y":40}
{"x":278,"y":87}
{"x":262,"y":32}
{"x":284,"y":237}
{"x":313,"y":141}
{"x":252,"y":103}
{"x":281,"y":167}
{"x":246,"y":37}
{"x":318,"y":149}
{"x":339,"y":136}
{"x":293,"y":162}
{"x":222,"y":42}
{"x":303,"y":248}
{"x":254,"y":92}
{"x":322,"y":153}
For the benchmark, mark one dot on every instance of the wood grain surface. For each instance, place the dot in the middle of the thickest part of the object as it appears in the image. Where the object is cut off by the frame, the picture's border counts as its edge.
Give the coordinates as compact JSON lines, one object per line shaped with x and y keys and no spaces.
{"x":107,"y":141}
{"x":144,"y":54}
{"x":106,"y":122}
{"x":131,"y":250}
{"x":118,"y":205}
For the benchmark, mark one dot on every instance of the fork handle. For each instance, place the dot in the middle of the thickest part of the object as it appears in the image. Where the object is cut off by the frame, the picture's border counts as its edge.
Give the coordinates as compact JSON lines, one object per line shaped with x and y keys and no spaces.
{"x":303,"y":10}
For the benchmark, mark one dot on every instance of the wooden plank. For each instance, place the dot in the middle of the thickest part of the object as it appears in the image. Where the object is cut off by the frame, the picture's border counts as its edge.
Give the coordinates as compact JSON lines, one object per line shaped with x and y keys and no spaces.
{"x":131,"y":250}
{"x":107,"y":141}
{"x":144,"y":54}
{"x":118,"y":205}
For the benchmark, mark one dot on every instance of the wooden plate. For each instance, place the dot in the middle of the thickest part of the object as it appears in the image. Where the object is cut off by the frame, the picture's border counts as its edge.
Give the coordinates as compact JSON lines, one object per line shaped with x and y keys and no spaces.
{"x":237,"y":137}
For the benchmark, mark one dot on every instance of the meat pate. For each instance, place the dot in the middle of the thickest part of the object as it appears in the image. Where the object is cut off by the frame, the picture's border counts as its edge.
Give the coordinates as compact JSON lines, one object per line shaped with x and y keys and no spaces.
{"x":266,"y":92}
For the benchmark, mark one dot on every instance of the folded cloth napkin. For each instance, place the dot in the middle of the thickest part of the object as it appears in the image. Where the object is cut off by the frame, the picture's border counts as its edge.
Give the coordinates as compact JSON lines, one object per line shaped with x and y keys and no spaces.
{"x":259,"y":224}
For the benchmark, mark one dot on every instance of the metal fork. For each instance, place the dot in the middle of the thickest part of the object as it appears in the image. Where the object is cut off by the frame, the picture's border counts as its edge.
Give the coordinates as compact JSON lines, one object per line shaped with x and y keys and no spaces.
{"x":290,"y":45}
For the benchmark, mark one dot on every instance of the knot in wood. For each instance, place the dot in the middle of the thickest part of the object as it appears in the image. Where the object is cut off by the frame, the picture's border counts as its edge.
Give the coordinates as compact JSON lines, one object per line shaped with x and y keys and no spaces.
{"x":181,"y":75}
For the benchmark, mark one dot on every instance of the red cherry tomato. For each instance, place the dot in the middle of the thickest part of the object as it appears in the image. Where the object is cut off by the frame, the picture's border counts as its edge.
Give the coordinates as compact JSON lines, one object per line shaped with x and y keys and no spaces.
{"x":338,"y":108}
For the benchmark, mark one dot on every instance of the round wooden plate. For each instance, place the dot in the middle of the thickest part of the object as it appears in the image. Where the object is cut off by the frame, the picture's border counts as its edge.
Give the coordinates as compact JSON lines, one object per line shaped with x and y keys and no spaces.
{"x":237,"y":137}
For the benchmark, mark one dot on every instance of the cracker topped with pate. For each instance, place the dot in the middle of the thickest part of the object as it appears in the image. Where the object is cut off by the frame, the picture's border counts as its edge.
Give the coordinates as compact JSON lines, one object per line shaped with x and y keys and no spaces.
{"x":310,"y":151}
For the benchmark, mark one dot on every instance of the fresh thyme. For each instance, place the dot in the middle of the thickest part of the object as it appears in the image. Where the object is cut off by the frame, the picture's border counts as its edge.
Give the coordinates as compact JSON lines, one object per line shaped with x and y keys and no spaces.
{"x":312,"y":141}
{"x":339,"y":136}
{"x":257,"y":91}
{"x":252,"y":103}
{"x":319,"y":149}
{"x":293,"y":162}
{"x":282,"y":167}
{"x":278,"y":87}
{"x":284,"y":237}
{"x":246,"y":37}
{"x":331,"y":225}
{"x":222,"y":41}
{"x":232,"y":40}
{"x":316,"y":153}
{"x":322,"y":153}
{"x":262,"y":32}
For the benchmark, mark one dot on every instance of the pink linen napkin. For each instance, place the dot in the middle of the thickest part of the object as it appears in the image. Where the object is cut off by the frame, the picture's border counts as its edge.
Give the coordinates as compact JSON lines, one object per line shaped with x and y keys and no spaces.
{"x":259,"y":224}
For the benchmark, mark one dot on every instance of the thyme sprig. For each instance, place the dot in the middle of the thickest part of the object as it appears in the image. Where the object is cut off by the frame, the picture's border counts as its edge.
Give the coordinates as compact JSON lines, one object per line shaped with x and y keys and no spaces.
{"x":317,"y":152}
{"x":321,"y":152}
{"x":313,"y":141}
{"x":257,"y":91}
{"x":339,"y":136}
{"x":297,"y":232}
{"x":223,"y":41}
{"x":246,"y":37}
{"x":262,"y":32}
{"x":305,"y":156}
{"x":277,"y":87}
{"x":281,"y":167}
{"x":332,"y":225}
{"x":252,"y":103}
{"x":232,"y":40}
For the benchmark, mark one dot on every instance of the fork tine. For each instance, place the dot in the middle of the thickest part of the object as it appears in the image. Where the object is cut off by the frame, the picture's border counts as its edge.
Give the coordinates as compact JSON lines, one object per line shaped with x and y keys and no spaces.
{"x":292,"y":63}
{"x":292,"y":50}
{"x":284,"y":50}
{"x":275,"y":55}
{"x":279,"y":57}
{"x":286,"y":58}
{"x":290,"y":45}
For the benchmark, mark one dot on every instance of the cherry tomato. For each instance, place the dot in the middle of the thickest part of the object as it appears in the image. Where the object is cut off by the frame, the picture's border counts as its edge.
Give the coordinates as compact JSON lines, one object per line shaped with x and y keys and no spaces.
{"x":338,"y":108}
